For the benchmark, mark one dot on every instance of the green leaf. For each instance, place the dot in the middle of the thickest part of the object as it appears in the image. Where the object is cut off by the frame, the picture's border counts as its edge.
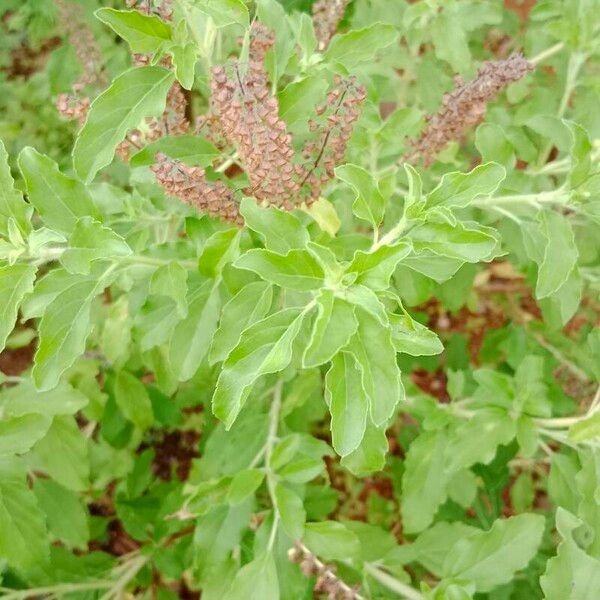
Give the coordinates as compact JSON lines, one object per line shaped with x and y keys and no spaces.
{"x":244,"y":484}
{"x":457,"y":190}
{"x":586,"y":429}
{"x":191,"y":337}
{"x":369,"y":457}
{"x":224,"y":12}
{"x":23,"y":399}
{"x":23,"y":537}
{"x":193,"y":150}
{"x":256,"y":580}
{"x":362,"y":45}
{"x":571,"y":574}
{"x":272,"y":14}
{"x":298,"y":99}
{"x":145,"y":34}
{"x":491,"y":558}
{"x":59,"y":200}
{"x":334,"y":326}
{"x":433,"y":546}
{"x":560,"y":255}
{"x":325,"y":215}
{"x":331,"y":540}
{"x":281,"y":230}
{"x":221,"y":248}
{"x":410,"y":337}
{"x":64,"y":329}
{"x":374,"y":269}
{"x":369,"y":204}
{"x":133,"y":401}
{"x":367,"y":299}
{"x":291,"y":510}
{"x":65,"y":514}
{"x":185,"y":57}
{"x":425,"y":480}
{"x":493,"y":144}
{"x":19,"y":434}
{"x":91,"y":241}
{"x":476,"y":440}
{"x":15,"y":282}
{"x":450,"y":41}
{"x":12,"y":204}
{"x":63,"y":454}
{"x":171,"y":280}
{"x":470,"y":243}
{"x":265,"y":347}
{"x":297,"y":270}
{"x":376,"y":356}
{"x":348,"y":403}
{"x":137,"y":93}
{"x":247,"y":307}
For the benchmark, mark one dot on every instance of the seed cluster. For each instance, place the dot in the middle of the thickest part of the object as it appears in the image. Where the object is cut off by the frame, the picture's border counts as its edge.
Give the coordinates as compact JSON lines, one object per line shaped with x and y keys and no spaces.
{"x":326,"y":16}
{"x":465,"y":106}
{"x":190,"y":185}
{"x":327,"y":581}
{"x":327,"y":148}
{"x":71,"y":18}
{"x":245,"y":115}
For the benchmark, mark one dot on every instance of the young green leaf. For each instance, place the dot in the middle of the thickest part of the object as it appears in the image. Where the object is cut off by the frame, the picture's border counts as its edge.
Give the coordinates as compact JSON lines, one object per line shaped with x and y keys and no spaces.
{"x":560,"y":255}
{"x":247,"y":307}
{"x":297,"y":270}
{"x":369,"y":204}
{"x":12,"y":204}
{"x":193,"y":150}
{"x":59,"y":200}
{"x":374,"y":269}
{"x":334,"y":326}
{"x":457,"y":190}
{"x":425,"y":480}
{"x":369,"y":457}
{"x":331,"y":540}
{"x":224,"y":12}
{"x":376,"y":357}
{"x":145,"y":34}
{"x":281,"y":230}
{"x":490,"y":558}
{"x":410,"y":337}
{"x":15,"y":282}
{"x":137,"y":93}
{"x":355,"y":47}
{"x":256,"y":580}
{"x":90,"y":241}
{"x":265,"y":347}
{"x":291,"y":510}
{"x":65,"y":514}
{"x":19,"y":434}
{"x":348,"y":403}
{"x":23,"y":536}
{"x":171,"y":280}
{"x":244,"y":484}
{"x":64,"y":329}
{"x":133,"y":400}
{"x":63,"y":454}
{"x":191,"y":337}
{"x":572,"y":574}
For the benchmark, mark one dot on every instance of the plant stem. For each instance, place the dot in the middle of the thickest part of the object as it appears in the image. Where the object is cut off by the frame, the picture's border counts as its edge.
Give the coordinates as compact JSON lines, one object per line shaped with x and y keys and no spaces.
{"x":393,"y":584}
{"x":544,"y":54}
{"x":270,"y":444}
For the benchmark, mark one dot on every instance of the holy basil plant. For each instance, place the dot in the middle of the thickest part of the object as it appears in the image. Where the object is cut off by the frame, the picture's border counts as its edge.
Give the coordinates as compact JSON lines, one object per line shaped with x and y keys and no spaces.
{"x":310,"y":309}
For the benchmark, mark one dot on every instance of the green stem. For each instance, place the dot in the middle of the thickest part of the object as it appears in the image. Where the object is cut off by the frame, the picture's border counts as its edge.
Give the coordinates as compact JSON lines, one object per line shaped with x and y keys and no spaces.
{"x":393,"y":584}
{"x":270,"y":444}
{"x":544,"y":54}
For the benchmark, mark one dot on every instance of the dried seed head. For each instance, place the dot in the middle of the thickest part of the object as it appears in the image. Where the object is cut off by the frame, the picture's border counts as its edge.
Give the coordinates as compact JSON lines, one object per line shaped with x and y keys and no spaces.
{"x":326,"y":16}
{"x":465,"y":106}
{"x":190,"y":185}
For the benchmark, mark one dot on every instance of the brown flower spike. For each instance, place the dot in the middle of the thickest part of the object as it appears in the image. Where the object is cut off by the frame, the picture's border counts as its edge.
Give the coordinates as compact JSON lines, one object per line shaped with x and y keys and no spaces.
{"x":326,"y":16}
{"x":465,"y":106}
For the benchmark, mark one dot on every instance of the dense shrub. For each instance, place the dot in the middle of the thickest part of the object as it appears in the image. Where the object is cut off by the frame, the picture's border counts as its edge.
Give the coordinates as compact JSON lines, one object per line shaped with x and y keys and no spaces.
{"x":300,"y":299}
